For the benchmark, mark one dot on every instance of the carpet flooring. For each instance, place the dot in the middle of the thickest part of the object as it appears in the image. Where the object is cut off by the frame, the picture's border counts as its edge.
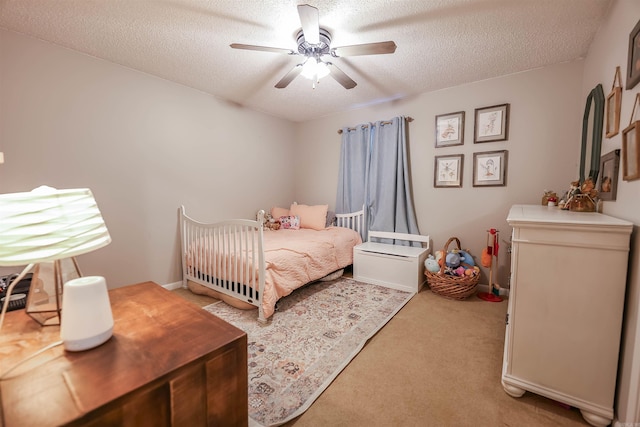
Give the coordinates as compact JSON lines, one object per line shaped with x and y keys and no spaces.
{"x":437,"y":363}
{"x":314,"y":334}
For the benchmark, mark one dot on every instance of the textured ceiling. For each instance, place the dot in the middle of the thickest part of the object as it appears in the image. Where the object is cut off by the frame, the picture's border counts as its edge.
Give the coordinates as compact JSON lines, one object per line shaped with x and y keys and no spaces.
{"x":440,"y":43}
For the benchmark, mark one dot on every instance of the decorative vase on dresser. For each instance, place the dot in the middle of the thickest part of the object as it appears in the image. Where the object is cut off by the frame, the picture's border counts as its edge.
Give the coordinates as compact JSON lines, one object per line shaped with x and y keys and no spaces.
{"x":566,"y":304}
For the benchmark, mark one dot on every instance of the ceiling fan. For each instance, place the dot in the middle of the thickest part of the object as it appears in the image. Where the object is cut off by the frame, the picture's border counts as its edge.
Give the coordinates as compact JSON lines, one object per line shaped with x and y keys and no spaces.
{"x":314,"y":42}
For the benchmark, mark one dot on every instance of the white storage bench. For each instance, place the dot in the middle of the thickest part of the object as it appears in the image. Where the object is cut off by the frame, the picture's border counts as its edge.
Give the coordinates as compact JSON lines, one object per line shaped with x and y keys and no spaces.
{"x":393,"y":266}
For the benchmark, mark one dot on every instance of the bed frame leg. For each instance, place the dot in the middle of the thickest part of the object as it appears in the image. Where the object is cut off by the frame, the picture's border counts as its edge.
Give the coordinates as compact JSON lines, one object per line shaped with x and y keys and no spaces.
{"x":261,"y":317}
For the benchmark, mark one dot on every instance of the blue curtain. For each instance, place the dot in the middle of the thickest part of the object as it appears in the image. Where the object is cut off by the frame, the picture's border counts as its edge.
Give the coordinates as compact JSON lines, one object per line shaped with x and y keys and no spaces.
{"x":354,"y":160}
{"x":376,"y":172}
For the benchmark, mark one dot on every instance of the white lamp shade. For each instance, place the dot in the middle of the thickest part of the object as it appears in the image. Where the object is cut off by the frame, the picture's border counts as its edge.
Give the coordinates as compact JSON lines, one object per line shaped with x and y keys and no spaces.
{"x":314,"y":69}
{"x":48,"y":224}
{"x":87,"y":320}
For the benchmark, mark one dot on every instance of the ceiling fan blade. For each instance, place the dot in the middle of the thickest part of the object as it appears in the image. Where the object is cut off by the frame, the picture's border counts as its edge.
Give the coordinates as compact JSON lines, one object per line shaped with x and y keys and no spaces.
{"x":365,"y":49}
{"x":288,"y":78}
{"x":341,"y":77}
{"x":262,"y":48}
{"x":310,"y":23}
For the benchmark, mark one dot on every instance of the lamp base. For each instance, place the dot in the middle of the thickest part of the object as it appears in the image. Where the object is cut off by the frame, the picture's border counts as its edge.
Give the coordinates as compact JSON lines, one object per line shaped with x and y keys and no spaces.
{"x":44,"y":300}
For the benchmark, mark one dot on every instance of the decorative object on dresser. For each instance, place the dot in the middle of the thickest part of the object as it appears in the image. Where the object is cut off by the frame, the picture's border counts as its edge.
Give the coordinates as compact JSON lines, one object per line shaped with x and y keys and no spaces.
{"x":490,"y":168}
{"x":317,"y":331}
{"x":631,"y":146}
{"x":448,"y":171}
{"x":633,"y":61}
{"x":491,"y":123}
{"x":608,"y":181}
{"x":450,"y":129}
{"x":382,"y":261}
{"x":614,"y":101}
{"x":168,"y":363}
{"x":564,"y":318}
{"x":448,"y":282}
{"x":48,"y":227}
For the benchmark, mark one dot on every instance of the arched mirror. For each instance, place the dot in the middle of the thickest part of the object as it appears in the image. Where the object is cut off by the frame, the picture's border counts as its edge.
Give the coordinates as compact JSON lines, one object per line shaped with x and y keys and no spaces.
{"x":592,"y":135}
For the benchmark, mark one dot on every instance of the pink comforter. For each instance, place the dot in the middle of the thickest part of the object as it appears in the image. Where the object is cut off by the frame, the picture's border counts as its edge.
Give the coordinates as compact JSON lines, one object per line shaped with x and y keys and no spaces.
{"x":297,"y":257}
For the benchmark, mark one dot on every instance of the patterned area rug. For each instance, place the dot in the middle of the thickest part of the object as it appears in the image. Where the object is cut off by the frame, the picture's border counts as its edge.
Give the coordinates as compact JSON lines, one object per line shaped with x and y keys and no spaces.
{"x":312,"y":336}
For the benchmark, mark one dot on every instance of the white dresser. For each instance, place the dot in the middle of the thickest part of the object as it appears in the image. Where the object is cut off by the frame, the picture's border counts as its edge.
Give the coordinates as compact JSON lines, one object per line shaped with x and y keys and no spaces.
{"x":566,"y":303}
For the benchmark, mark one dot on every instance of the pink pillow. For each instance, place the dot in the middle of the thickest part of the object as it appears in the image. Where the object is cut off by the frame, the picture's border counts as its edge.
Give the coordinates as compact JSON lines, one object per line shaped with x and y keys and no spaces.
{"x":314,"y":217}
{"x":290,"y":222}
{"x":277,"y":212}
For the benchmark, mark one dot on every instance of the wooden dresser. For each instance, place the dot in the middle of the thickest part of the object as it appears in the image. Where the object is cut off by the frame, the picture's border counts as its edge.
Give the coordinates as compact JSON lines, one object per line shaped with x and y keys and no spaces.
{"x":568,"y":280}
{"x":169,"y":363}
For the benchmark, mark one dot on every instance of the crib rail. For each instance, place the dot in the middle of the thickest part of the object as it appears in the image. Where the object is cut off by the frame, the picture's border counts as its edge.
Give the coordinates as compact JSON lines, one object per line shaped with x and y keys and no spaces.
{"x":227,"y":257}
{"x":353,"y":220}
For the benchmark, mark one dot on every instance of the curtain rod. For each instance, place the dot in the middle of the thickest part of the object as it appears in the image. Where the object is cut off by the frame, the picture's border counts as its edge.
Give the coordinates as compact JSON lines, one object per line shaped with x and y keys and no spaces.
{"x":409,"y":119}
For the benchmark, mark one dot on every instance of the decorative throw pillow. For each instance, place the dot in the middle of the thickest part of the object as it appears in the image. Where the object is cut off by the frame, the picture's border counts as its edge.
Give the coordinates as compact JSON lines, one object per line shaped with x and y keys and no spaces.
{"x":290,"y":222}
{"x":313,"y":217}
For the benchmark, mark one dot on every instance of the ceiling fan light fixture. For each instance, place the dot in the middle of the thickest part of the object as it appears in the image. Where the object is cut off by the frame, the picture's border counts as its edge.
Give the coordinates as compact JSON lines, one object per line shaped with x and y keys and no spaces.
{"x":314,"y":69}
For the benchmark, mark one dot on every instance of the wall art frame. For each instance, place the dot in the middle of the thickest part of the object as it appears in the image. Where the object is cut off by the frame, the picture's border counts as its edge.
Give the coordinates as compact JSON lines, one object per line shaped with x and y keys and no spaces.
{"x":450,"y":129}
{"x":491,"y":123}
{"x":631,"y":152}
{"x":448,"y":171}
{"x":633,"y":57}
{"x":490,"y":168}
{"x":612,"y":105}
{"x":631,"y":146}
{"x":608,"y":182}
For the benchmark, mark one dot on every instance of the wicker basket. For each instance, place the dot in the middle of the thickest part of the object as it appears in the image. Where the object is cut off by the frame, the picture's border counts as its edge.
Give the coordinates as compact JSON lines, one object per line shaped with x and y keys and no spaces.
{"x":454,"y":287}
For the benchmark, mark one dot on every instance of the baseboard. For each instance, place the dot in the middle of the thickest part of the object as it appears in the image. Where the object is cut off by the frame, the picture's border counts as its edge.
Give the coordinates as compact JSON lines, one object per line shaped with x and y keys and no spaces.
{"x":172,"y":286}
{"x":485,"y":288}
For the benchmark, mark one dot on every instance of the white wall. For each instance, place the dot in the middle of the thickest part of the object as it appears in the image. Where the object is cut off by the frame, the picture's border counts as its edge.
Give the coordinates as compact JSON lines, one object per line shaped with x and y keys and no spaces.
{"x":608,"y":50}
{"x":543,"y":146}
{"x":143,"y":145}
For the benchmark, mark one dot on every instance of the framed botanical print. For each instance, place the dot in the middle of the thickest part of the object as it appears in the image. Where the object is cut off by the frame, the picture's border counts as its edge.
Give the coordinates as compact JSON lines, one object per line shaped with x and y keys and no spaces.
{"x":448,"y":171}
{"x":633,"y":58}
{"x":608,"y":182}
{"x":612,"y":105}
{"x":491,"y":124}
{"x":490,"y":168}
{"x":631,"y":152}
{"x":450,"y":129}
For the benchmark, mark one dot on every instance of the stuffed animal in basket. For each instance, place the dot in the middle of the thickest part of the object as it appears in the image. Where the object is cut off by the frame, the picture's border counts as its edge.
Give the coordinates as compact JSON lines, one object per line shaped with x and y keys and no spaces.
{"x":467,"y":258}
{"x":453,"y":259}
{"x":431,"y":264}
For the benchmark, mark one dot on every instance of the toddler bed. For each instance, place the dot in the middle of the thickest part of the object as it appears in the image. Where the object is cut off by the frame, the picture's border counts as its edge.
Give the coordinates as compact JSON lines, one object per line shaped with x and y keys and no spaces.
{"x":246,"y":264}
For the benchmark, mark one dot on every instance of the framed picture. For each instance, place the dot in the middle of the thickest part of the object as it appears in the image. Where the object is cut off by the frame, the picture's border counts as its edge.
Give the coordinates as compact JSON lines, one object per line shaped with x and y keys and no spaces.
{"x":633,"y":61}
{"x":614,"y":101}
{"x":490,"y":168}
{"x":631,"y":151}
{"x":491,"y":124}
{"x":448,"y":171}
{"x":608,"y":183}
{"x":450,"y":129}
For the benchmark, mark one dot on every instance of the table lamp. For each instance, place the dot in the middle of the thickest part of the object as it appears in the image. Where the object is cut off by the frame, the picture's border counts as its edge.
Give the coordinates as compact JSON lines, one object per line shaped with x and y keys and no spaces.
{"x":49,"y":227}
